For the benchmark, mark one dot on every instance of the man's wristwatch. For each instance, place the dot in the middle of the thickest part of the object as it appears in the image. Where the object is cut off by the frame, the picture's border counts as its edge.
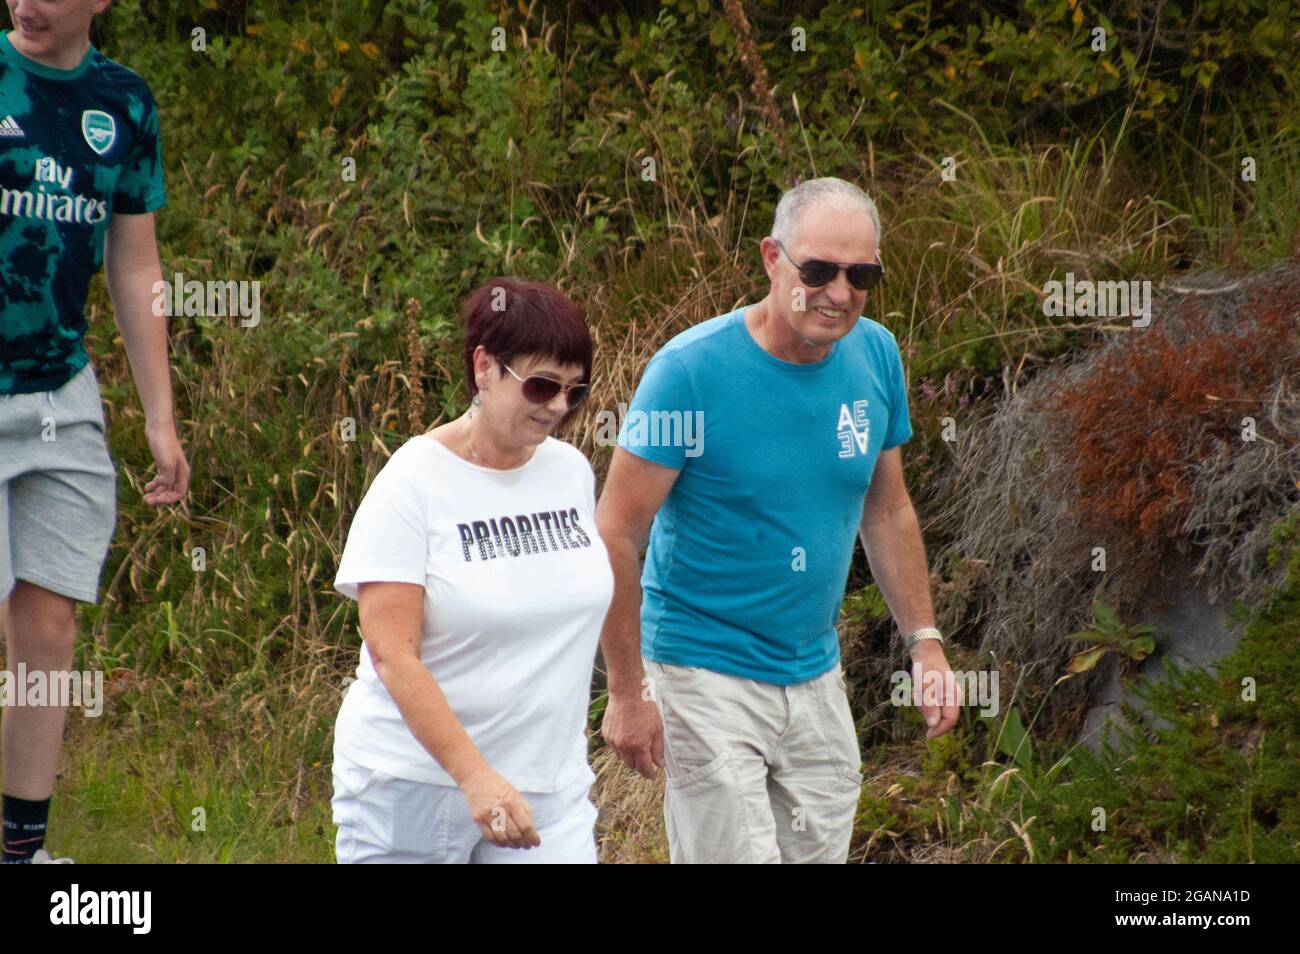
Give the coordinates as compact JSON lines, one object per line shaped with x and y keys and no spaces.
{"x":926,"y":632}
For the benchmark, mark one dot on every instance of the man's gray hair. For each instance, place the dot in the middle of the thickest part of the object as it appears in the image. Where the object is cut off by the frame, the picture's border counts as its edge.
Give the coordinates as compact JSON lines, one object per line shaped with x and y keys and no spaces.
{"x":795,"y":202}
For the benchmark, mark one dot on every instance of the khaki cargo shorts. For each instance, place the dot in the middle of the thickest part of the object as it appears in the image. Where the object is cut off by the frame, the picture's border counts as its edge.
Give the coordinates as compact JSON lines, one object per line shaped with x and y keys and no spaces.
{"x":757,"y":773}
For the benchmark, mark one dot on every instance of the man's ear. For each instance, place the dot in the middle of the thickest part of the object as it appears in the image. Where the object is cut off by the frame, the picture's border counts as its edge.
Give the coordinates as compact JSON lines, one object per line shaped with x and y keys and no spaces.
{"x":766,"y":249}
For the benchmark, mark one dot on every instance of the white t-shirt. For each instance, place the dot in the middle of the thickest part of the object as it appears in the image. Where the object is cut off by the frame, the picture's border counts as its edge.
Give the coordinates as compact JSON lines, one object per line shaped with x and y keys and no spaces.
{"x":516,"y":586}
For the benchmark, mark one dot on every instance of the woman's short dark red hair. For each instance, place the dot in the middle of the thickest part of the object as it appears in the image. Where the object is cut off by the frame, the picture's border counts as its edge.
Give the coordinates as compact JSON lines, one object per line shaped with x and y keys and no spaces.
{"x":512,"y":318}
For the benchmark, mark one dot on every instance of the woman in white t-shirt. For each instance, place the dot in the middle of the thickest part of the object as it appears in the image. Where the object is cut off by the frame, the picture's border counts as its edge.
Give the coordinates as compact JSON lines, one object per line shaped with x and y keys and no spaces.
{"x":482,"y":586}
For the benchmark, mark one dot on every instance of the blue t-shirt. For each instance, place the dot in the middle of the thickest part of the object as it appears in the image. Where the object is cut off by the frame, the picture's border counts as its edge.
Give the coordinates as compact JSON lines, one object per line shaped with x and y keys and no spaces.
{"x":77,"y":147}
{"x":750,"y":552}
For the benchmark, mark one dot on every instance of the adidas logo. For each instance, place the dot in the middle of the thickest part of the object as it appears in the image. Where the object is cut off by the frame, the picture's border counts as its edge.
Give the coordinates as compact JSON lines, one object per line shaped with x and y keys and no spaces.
{"x":10,"y":129}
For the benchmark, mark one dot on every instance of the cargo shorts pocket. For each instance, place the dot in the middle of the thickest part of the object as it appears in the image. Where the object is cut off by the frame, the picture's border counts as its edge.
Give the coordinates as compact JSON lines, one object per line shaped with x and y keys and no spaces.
{"x":670,"y":676}
{"x":704,"y":814}
{"x":702,"y":777}
{"x":841,"y":733}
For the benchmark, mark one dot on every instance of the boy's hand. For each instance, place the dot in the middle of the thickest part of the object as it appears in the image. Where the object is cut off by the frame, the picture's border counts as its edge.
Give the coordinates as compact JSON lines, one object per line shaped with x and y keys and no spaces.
{"x":173,"y":478}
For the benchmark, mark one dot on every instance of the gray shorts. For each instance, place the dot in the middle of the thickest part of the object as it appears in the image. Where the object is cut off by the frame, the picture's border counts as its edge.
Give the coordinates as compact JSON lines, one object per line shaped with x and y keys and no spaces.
{"x":58,"y":489}
{"x":757,"y":773}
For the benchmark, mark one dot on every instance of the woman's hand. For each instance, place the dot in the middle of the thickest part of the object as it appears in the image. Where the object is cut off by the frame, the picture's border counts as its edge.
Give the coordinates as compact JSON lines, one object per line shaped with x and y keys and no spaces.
{"x":501,"y":813}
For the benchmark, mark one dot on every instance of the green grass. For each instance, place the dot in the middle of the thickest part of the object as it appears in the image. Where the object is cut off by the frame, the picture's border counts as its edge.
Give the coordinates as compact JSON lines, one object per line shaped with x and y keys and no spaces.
{"x":163,"y":780}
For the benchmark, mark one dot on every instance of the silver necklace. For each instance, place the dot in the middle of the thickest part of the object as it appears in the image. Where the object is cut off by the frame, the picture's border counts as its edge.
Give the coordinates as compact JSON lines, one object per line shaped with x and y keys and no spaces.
{"x":469,"y":434}
{"x":469,"y":428}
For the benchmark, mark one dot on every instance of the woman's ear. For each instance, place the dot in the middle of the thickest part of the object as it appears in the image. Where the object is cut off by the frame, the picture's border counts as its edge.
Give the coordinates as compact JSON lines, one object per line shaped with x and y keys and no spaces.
{"x":482,"y":366}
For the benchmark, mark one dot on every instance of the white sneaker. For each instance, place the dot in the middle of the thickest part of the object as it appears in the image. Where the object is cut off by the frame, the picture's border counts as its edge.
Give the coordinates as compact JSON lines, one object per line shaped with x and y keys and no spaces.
{"x":43,"y":857}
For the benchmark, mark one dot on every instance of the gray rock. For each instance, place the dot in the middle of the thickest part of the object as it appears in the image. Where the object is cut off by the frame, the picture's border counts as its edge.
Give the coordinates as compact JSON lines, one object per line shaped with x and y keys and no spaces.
{"x":1190,"y":632}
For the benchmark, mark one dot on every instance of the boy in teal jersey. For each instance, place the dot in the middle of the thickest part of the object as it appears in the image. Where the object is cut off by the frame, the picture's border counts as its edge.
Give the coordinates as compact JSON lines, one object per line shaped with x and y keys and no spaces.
{"x":80,"y":178}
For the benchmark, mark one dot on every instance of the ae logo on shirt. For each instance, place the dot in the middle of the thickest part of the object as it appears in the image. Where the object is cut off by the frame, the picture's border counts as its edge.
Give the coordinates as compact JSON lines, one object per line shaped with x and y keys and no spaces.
{"x":854,"y":430}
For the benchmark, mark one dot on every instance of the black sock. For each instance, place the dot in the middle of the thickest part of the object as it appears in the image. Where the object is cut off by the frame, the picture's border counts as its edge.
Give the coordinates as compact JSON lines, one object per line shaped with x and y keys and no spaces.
{"x":24,"y":828}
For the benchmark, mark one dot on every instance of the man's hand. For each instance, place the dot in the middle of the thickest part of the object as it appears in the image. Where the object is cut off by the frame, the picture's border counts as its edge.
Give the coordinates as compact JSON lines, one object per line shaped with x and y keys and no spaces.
{"x":634,"y":491}
{"x":891,"y":537}
{"x":173,"y":478}
{"x":935,"y":686}
{"x":632,"y":728}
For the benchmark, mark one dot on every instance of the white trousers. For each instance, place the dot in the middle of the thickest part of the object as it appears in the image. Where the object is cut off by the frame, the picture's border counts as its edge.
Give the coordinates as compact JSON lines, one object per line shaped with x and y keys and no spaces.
{"x":386,"y":820}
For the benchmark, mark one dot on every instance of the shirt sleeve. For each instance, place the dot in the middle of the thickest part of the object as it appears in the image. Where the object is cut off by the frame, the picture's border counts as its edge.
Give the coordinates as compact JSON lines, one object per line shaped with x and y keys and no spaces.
{"x":388,"y":540}
{"x":900,"y":423}
{"x":139,"y":187}
{"x":665,"y":389}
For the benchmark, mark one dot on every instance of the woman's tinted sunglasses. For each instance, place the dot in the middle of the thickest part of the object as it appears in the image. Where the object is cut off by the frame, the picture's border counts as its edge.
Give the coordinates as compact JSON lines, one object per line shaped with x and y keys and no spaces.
{"x":542,"y":390}
{"x":814,"y":273}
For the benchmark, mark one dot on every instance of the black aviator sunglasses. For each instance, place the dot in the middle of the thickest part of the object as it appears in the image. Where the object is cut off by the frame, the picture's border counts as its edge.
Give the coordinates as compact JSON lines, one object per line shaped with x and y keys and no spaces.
{"x":814,"y":273}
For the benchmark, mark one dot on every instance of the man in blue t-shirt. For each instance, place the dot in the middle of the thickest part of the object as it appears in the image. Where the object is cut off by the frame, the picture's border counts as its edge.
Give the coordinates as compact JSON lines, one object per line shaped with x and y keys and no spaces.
{"x":760,"y":443}
{"x":80,"y":168}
